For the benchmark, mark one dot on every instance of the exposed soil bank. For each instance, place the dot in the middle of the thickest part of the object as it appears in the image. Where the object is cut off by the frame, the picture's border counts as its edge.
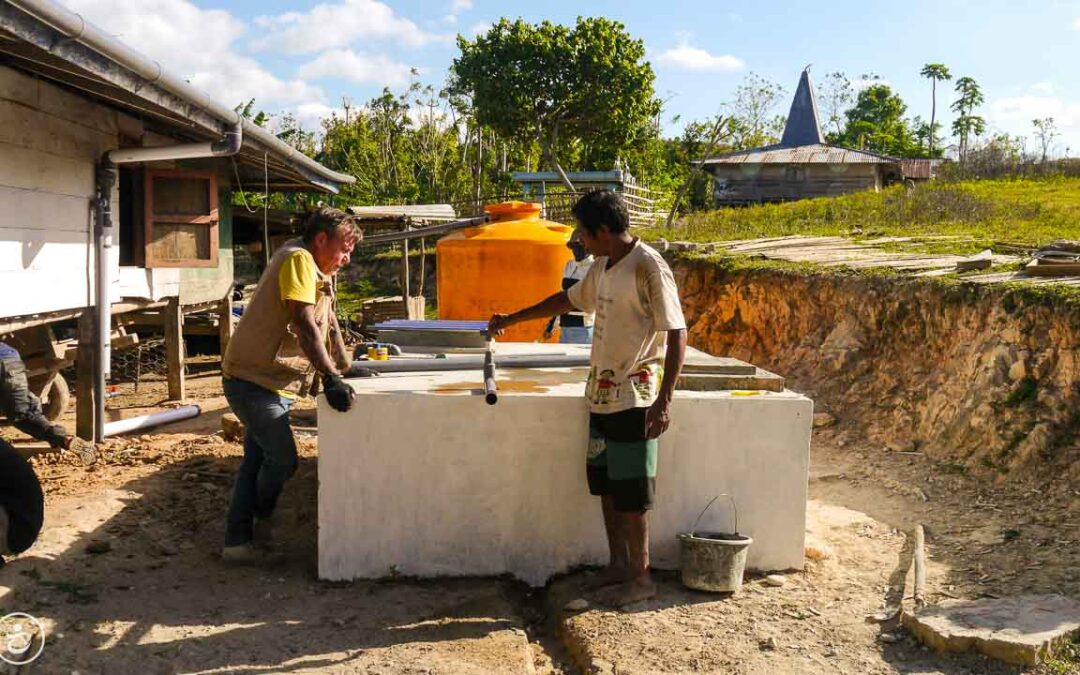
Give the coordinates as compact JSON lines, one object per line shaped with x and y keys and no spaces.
{"x":977,"y":377}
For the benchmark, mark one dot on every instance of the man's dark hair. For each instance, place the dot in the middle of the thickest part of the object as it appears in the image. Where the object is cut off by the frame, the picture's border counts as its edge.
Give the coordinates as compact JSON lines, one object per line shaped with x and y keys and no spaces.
{"x":333,"y":222}
{"x":602,"y":207}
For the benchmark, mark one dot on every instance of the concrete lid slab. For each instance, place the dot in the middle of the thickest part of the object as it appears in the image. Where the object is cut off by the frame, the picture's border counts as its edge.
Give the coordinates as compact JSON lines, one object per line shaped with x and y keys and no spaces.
{"x":570,"y":382}
{"x":1019,"y":630}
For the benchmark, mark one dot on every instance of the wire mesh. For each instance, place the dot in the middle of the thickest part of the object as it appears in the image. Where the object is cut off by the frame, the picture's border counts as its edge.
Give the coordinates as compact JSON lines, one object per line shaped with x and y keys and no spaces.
{"x":136,"y":363}
{"x":142,"y":362}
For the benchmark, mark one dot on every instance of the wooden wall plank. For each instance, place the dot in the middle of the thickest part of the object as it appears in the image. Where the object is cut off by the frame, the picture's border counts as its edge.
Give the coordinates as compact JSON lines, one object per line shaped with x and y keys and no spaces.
{"x":19,"y":87}
{"x":23,"y":210}
{"x":33,"y":170}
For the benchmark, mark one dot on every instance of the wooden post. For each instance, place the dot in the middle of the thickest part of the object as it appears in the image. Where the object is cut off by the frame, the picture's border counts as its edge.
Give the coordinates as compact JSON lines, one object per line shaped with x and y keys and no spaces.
{"x":920,"y":567}
{"x":174,"y":349}
{"x":85,"y":369}
{"x":405,"y":292}
{"x":225,"y":324}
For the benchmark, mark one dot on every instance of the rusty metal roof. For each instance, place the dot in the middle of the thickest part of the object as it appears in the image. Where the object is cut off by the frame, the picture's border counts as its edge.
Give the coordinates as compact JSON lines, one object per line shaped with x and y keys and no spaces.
{"x":920,"y":168}
{"x":817,"y":153}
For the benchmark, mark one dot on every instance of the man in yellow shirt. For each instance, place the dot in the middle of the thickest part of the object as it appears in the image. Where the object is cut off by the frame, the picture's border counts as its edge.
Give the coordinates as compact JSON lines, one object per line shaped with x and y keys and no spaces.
{"x":287,"y":335}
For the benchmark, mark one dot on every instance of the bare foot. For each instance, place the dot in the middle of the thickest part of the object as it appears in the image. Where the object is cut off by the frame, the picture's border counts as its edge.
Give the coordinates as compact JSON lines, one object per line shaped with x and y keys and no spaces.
{"x":609,"y":576}
{"x":627,"y":593}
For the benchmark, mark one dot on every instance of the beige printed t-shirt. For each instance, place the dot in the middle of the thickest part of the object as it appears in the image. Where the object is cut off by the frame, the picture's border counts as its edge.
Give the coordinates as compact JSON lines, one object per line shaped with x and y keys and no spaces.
{"x":636,"y":302}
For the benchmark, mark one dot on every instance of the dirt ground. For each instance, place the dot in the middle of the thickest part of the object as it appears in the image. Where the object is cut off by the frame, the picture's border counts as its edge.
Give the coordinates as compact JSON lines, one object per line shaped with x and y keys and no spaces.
{"x":127,"y":579}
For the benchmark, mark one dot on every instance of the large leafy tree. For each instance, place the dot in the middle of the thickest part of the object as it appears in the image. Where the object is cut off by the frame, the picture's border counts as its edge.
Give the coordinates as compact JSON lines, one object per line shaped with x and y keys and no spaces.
{"x":935,"y":72}
{"x":969,"y":96}
{"x":589,"y":84}
{"x":876,"y":123}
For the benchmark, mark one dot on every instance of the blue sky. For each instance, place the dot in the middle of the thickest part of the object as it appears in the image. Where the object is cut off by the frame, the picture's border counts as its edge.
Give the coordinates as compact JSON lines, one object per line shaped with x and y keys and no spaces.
{"x":304,"y":56}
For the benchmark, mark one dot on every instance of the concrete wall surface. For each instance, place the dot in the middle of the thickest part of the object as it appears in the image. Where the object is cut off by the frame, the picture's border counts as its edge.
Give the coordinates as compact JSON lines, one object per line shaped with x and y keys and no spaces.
{"x":422,"y":478}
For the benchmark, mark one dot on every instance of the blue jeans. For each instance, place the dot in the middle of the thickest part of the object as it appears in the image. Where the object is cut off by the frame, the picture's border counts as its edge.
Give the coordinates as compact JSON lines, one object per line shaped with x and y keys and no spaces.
{"x":575,"y":335}
{"x":269,"y":456}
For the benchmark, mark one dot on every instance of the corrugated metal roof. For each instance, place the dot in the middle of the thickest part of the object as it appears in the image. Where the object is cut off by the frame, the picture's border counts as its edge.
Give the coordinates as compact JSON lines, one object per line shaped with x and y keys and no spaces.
{"x":615,"y":176}
{"x":817,"y":153}
{"x":415,"y":211}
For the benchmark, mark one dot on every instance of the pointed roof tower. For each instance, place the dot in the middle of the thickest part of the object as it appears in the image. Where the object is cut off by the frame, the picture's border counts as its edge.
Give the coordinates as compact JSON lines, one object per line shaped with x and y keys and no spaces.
{"x":802,"y":126}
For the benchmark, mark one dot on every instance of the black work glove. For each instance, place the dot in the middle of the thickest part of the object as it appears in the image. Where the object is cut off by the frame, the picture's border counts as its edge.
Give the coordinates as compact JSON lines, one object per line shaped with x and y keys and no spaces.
{"x":357,"y":370}
{"x":338,"y":394}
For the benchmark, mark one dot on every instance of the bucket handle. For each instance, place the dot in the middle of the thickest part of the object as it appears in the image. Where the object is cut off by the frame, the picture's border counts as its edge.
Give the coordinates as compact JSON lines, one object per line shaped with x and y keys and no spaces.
{"x":734,"y":509}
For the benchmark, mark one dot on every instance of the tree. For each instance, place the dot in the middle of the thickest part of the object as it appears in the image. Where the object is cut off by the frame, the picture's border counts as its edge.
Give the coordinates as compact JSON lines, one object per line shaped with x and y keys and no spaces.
{"x":934,"y":72}
{"x":836,"y":94}
{"x":753,"y":123}
{"x":876,"y":123}
{"x":1045,"y":131}
{"x":967,"y":123}
{"x":559,"y":85}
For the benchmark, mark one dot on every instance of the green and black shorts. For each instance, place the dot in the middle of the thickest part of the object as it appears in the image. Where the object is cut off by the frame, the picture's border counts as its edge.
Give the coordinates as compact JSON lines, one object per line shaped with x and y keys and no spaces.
{"x":621,"y":461}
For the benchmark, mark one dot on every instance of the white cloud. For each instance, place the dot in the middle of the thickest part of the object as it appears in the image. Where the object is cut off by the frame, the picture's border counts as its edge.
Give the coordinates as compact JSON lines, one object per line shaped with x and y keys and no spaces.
{"x":310,"y":115}
{"x":479,"y":27}
{"x":1076,"y":24}
{"x":460,"y":5}
{"x":1023,"y":109}
{"x":197,"y":44}
{"x":1043,"y":87}
{"x":450,"y":18}
{"x":356,"y":67}
{"x":685,"y":57}
{"x":328,"y":26}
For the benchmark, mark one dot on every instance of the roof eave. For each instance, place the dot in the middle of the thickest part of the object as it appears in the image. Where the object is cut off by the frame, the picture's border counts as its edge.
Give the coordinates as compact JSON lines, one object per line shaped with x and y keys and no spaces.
{"x":102,"y":59}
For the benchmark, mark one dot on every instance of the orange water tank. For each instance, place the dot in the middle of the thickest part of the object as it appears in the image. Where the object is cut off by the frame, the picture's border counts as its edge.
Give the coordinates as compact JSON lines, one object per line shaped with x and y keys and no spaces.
{"x":501,"y":267}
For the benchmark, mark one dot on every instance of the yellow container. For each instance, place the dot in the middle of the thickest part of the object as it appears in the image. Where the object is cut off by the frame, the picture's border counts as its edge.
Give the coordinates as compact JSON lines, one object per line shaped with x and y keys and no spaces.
{"x":501,"y":267}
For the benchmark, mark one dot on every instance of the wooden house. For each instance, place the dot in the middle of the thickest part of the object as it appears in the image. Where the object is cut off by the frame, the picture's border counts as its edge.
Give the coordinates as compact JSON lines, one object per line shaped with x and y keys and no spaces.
{"x":115,"y":183}
{"x":801,"y":165}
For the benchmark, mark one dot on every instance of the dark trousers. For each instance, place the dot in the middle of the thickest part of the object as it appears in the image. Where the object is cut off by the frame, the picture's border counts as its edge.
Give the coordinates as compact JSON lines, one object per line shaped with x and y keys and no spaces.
{"x":21,"y":498}
{"x":22,"y":408}
{"x":269,"y":456}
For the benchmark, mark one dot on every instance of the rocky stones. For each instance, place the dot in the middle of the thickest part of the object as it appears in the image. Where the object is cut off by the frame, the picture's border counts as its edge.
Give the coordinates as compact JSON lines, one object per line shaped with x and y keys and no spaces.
{"x":823,"y":419}
{"x":232,"y":428}
{"x":1018,"y":371}
{"x":578,"y":605}
{"x":1019,"y":630}
{"x":775,"y":580}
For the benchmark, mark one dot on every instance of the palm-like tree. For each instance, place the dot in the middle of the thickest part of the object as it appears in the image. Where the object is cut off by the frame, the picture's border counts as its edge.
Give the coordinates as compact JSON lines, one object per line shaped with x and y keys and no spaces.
{"x":934,"y":72}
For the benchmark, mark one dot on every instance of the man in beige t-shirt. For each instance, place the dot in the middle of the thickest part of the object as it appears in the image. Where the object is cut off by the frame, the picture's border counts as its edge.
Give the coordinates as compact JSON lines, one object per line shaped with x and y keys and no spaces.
{"x":639,"y":342}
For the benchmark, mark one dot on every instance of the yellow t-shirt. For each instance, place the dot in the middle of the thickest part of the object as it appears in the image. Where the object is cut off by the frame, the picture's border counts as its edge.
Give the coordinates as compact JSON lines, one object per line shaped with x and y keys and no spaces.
{"x":296,"y":281}
{"x":296,"y":277}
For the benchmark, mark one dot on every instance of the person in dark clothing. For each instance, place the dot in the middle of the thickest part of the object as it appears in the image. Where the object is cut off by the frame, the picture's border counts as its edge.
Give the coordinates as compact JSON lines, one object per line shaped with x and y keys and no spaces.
{"x":22,"y":504}
{"x":23,"y":409}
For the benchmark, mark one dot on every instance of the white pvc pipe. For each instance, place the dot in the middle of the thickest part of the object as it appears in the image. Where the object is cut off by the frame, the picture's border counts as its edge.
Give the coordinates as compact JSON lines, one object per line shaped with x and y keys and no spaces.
{"x":151,"y":420}
{"x":168,"y":152}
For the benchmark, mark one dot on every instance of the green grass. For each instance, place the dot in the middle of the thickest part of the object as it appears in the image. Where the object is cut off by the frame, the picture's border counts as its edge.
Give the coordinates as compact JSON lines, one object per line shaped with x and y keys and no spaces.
{"x":1065,"y":662}
{"x":1027,"y":390}
{"x":979,"y":213}
{"x":352,"y":294}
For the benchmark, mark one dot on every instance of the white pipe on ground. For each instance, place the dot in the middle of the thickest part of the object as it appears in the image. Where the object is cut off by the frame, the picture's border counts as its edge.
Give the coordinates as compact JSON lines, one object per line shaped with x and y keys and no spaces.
{"x":151,"y":420}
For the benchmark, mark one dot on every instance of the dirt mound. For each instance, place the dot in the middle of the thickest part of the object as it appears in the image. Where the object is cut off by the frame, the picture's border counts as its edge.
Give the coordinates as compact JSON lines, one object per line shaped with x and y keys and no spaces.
{"x":977,"y":377}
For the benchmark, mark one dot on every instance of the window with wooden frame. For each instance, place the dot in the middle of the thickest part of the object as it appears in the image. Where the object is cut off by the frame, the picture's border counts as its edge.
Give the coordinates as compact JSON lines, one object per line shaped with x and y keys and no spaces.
{"x":181,"y":218}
